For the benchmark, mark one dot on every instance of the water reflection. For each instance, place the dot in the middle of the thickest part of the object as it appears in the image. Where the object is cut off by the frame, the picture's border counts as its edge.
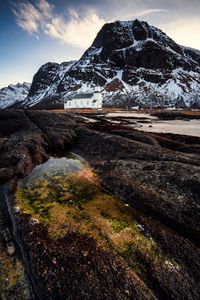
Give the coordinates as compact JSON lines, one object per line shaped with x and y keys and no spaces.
{"x":54,"y":185}
{"x":55,"y":166}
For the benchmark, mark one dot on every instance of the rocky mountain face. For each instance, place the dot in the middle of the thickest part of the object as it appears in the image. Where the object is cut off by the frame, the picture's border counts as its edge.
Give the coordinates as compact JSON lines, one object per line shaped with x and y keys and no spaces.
{"x":13,"y":94}
{"x":134,"y":63}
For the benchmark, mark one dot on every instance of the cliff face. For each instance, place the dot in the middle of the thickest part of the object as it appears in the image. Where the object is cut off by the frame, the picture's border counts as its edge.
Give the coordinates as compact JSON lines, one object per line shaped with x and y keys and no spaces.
{"x":134,"y":63}
{"x":158,"y":178}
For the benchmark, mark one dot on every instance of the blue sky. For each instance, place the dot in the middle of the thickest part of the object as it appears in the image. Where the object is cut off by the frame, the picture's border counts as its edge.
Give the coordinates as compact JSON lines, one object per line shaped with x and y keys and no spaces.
{"x":35,"y":32}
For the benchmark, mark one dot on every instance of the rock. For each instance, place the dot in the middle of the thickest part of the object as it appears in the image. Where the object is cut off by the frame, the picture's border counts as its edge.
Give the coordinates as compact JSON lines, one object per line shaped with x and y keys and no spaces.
{"x":166,"y":115}
{"x":155,"y":192}
{"x":30,"y":138}
{"x":57,"y":129}
{"x":157,"y":182}
{"x":11,"y":249}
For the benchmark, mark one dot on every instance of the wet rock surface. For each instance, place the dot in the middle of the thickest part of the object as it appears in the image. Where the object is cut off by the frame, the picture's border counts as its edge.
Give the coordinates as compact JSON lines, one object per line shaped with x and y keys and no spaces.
{"x":26,"y":137}
{"x":154,"y":180}
{"x":175,"y":115}
{"x":151,"y":174}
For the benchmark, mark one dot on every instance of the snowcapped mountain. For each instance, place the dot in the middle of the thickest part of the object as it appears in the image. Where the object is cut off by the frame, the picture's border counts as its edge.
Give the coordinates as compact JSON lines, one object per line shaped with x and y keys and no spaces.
{"x":13,"y":94}
{"x":134,"y":63}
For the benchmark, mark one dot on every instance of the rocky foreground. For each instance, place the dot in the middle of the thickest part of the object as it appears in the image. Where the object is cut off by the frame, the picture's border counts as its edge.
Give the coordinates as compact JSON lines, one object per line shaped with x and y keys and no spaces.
{"x":157,"y":175}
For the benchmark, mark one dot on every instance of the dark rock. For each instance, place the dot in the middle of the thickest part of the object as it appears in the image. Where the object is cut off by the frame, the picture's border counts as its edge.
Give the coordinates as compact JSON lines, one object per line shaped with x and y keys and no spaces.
{"x":154,"y":193}
{"x":64,"y":271}
{"x":45,"y":75}
{"x":160,"y":184}
{"x":165,"y":115}
{"x":29,"y":137}
{"x":57,"y":129}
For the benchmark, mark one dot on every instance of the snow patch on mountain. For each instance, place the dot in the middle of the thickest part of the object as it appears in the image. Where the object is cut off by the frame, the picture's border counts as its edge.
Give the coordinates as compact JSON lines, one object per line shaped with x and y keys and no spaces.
{"x":47,"y":82}
{"x":13,"y":94}
{"x":134,"y":63}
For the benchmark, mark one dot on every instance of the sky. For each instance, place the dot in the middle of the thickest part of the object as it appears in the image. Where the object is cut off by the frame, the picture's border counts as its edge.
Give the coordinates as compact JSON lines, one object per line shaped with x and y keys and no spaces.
{"x":35,"y":32}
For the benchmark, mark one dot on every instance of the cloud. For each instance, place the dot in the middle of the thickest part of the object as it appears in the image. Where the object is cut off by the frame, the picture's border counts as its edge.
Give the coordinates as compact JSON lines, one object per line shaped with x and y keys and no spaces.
{"x":184,"y":31}
{"x":150,"y":11}
{"x":178,"y":18}
{"x":77,"y":30}
{"x":28,"y":17}
{"x":143,"y":13}
{"x":73,"y":13}
{"x":45,"y":8}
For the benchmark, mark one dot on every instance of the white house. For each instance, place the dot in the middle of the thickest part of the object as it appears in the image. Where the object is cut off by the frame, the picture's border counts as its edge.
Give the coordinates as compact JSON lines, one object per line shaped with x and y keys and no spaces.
{"x":90,"y":100}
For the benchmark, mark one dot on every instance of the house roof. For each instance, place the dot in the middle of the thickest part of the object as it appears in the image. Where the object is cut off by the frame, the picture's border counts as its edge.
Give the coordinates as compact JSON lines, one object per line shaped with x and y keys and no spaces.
{"x":82,"y":96}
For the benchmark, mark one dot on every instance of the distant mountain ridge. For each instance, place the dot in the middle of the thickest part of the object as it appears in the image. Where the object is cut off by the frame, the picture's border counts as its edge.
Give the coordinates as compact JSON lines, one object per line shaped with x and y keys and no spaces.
{"x":134,"y":63}
{"x":13,"y":94}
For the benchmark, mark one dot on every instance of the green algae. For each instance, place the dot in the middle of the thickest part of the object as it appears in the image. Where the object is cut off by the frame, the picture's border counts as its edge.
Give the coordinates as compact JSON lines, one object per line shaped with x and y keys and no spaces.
{"x":131,"y":254}
{"x":32,"y":202}
{"x":76,"y":202}
{"x":83,"y":192}
{"x":117,"y":224}
{"x":39,"y":202}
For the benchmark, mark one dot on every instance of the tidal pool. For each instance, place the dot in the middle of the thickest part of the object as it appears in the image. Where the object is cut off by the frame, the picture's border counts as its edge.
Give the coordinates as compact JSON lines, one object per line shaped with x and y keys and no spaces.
{"x":66,"y":194}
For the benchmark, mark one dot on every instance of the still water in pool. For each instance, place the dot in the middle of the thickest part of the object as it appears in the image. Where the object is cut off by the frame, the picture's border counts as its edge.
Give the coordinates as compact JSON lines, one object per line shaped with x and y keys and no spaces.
{"x":67,"y":195}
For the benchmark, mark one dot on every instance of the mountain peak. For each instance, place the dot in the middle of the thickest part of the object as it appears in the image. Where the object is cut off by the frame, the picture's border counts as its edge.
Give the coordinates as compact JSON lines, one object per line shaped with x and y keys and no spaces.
{"x":121,"y":39}
{"x":132,"y":61}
